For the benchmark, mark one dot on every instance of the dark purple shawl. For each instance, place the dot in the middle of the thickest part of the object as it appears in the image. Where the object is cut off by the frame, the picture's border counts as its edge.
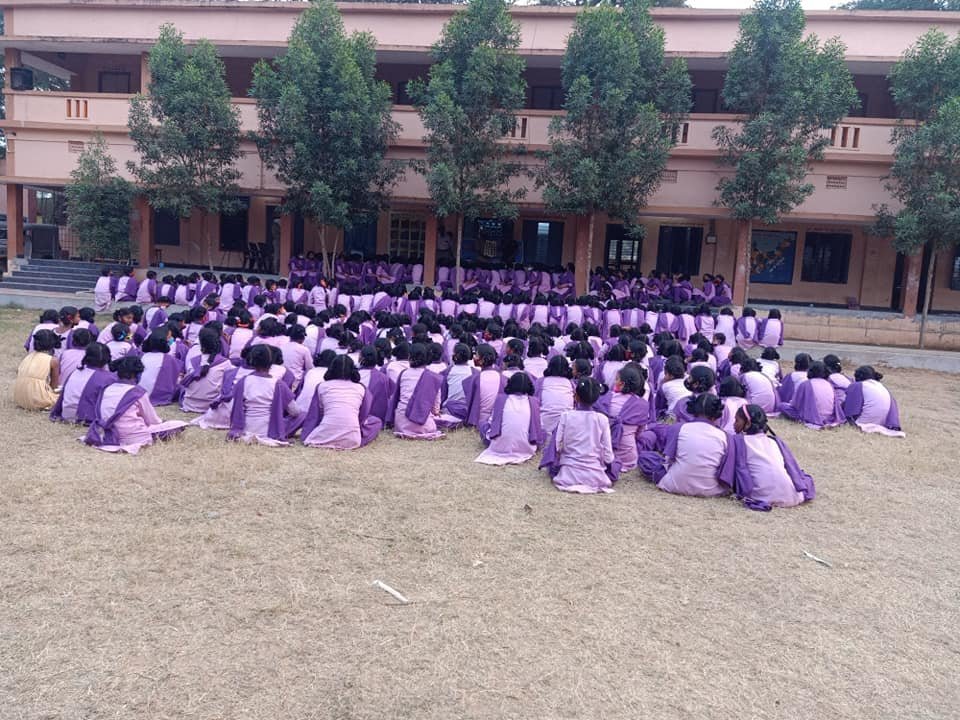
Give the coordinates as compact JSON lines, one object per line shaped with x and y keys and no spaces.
{"x":735,"y":472}
{"x":853,"y":407}
{"x":534,"y":431}
{"x":103,"y":430}
{"x":87,"y":405}
{"x":421,"y":401}
{"x":370,"y":425}
{"x":280,"y":427}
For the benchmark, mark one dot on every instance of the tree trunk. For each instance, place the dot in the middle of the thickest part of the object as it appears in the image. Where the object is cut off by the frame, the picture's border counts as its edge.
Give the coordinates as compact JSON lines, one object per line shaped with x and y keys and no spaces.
{"x":323,"y":252}
{"x":207,"y":240}
{"x":593,"y":217}
{"x":742,"y":262}
{"x":456,"y":269}
{"x":927,"y":295}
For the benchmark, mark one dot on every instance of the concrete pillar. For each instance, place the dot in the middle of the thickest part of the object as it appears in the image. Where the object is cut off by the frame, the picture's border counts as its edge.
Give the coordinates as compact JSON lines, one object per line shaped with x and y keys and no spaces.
{"x":286,"y":243}
{"x":144,"y":72}
{"x":144,"y":234}
{"x":581,"y":254}
{"x":14,"y":221}
{"x":430,"y":252}
{"x":912,"y":268}
{"x":741,"y":276}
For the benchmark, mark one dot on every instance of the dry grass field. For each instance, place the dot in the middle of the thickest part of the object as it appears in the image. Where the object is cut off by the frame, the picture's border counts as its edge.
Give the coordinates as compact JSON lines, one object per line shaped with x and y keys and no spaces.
{"x":208,"y":580}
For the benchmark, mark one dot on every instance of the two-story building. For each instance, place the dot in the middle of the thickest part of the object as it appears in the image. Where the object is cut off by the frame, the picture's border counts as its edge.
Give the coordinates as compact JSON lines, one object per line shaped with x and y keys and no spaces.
{"x":820,"y":254}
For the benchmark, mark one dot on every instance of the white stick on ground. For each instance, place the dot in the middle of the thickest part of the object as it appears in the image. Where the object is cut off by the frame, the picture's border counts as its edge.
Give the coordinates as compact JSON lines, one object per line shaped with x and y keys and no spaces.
{"x":819,"y":560}
{"x":386,"y":588}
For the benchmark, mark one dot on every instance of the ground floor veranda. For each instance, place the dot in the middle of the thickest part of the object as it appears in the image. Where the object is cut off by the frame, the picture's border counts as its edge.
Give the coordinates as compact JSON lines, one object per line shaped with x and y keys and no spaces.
{"x":809,"y":261}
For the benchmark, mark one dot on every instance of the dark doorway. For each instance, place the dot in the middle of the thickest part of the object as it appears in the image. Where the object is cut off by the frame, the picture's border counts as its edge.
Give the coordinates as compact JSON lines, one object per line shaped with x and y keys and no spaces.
{"x":361,"y":240}
{"x":542,"y":242}
{"x":233,"y":228}
{"x":489,"y":240}
{"x":678,"y":250}
{"x":896,"y":295}
{"x":166,"y":228}
{"x":623,"y":252}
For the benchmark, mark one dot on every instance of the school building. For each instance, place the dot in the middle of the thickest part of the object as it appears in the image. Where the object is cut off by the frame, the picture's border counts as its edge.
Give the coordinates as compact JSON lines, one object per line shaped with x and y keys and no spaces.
{"x":820,"y":254}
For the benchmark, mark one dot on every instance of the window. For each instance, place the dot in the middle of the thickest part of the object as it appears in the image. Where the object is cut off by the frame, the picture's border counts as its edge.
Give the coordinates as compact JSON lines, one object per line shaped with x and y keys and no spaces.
{"x":361,"y":240}
{"x":546,"y":98}
{"x":826,"y":257}
{"x":705,"y":101}
{"x":623,"y":251}
{"x":114,"y":82}
{"x":407,"y":234}
{"x":166,"y":228}
{"x":679,"y":249}
{"x":233,"y":228}
{"x":402,"y":97}
{"x":542,"y":242}
{"x":955,"y":271}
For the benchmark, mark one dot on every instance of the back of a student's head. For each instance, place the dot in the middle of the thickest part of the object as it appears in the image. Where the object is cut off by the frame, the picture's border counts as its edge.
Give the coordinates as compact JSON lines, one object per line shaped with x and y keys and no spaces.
{"x":705,"y":405}
{"x":719,"y":339}
{"x":731,"y":387}
{"x":419,"y":355}
{"x":486,"y":356}
{"x":401,"y":351}
{"x":631,"y":380}
{"x":818,"y":371}
{"x":700,"y":380}
{"x":588,"y":391}
{"x":156,"y":342}
{"x":342,"y":368}
{"x":519,"y":384}
{"x":96,"y":356}
{"x":129,"y":367}
{"x":80,"y":338}
{"x":674,"y":367}
{"x":770,"y":353}
{"x":867,"y":372}
{"x":119,"y":332}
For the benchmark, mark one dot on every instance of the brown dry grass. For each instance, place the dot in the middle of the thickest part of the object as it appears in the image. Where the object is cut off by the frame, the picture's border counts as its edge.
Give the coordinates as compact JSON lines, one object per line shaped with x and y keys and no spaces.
{"x":207,"y":580}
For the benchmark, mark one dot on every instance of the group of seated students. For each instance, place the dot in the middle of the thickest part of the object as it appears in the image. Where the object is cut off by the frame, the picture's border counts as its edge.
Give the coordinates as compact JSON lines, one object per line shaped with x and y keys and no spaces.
{"x":602,"y":387}
{"x":306,"y":283}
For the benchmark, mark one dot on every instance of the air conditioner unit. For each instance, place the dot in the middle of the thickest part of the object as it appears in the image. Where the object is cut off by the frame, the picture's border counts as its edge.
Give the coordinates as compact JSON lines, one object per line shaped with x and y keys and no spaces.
{"x":21,"y":79}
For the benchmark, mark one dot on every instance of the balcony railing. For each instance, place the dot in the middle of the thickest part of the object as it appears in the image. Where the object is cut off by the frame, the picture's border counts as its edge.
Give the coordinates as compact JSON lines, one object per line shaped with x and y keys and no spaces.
{"x":853,"y":139}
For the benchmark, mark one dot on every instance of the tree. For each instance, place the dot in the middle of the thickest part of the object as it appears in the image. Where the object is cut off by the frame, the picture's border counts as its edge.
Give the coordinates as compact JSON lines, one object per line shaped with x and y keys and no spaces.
{"x":925,"y":176}
{"x":326,"y":124}
{"x":789,"y":88}
{"x":615,"y":3}
{"x":901,"y":5}
{"x":98,"y":204}
{"x":623,"y":103}
{"x":468,"y":104}
{"x":187,"y":133}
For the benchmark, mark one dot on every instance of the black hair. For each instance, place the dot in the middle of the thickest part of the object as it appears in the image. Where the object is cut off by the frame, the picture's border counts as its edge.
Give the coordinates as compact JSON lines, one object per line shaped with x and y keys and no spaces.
{"x":66,"y":312}
{"x":818,"y":370}
{"x":749,"y":365}
{"x":324,"y":358}
{"x":774,"y":314}
{"x":674,"y":367}
{"x":486,"y":355}
{"x":435,"y":352}
{"x":81,"y":337}
{"x":369,"y":357}
{"x":401,"y":351}
{"x":558,"y":366}
{"x":701,"y":380}
{"x":197,"y":313}
{"x":867,"y":372}
{"x":342,"y":368}
{"x":297,"y":332}
{"x":582,"y":367}
{"x":770,"y":354}
{"x":631,"y":380}
{"x":617,"y":353}
{"x":757,"y":420}
{"x":719,"y":338}
{"x":87,"y":314}
{"x":519,"y":384}
{"x":419,"y":355}
{"x":259,"y":357}
{"x":705,"y":405}
{"x":731,"y":387}
{"x":97,"y":355}
{"x":129,"y":367}
{"x":209,"y":340}
{"x":45,"y":341}
{"x":802,"y":362}
{"x":119,"y":331}
{"x":833,"y":364}
{"x":588,"y":391}
{"x":748,"y":312}
{"x":513,"y":361}
{"x":49,"y":316}
{"x":156,"y":341}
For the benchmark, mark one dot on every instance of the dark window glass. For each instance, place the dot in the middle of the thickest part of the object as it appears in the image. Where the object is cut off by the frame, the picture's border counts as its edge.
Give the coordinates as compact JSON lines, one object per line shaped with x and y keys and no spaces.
{"x":166,"y":228}
{"x":233,"y":229}
{"x":678,"y":250}
{"x":826,"y":257}
{"x":114,"y":82}
{"x":623,"y":251}
{"x":546,"y":98}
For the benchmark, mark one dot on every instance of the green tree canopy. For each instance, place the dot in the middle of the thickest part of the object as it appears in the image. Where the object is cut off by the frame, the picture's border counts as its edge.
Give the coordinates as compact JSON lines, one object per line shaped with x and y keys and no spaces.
{"x":98,"y":204}
{"x":468,"y":104}
{"x":326,"y":124}
{"x":186,"y":132}
{"x":623,"y":101}
{"x":901,"y":5}
{"x":925,"y":177}
{"x":789,"y":88}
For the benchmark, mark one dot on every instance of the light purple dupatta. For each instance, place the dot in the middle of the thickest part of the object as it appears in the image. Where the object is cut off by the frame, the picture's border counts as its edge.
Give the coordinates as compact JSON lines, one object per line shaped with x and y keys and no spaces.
{"x":735,"y":472}
{"x":103,"y":431}
{"x":495,"y":429}
{"x":635,"y":411}
{"x":471,"y":391}
{"x":551,"y":458}
{"x":280,"y":426}
{"x":89,"y":396}
{"x":804,"y":408}
{"x":196,"y":364}
{"x":370,"y":425}
{"x":421,"y":401}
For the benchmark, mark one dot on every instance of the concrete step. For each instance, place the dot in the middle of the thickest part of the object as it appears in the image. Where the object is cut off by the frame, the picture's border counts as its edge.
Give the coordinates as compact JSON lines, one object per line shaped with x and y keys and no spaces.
{"x":54,"y":276}
{"x":14,"y":284}
{"x":75,"y":264}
